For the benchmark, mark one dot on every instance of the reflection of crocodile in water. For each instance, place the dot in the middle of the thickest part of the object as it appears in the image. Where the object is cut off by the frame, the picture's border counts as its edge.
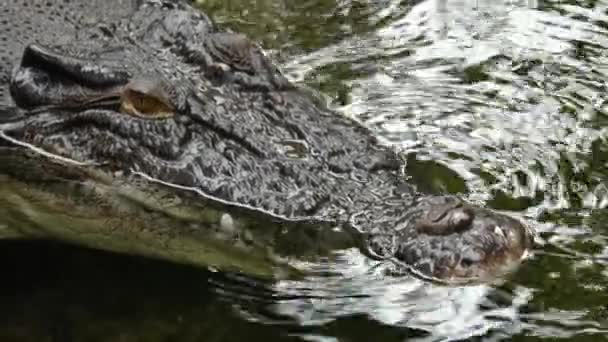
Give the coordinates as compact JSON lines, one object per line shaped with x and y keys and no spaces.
{"x":139,"y":127}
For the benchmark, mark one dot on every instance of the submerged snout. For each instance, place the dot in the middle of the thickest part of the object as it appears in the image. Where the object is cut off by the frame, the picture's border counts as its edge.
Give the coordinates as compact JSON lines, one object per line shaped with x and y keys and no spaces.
{"x":494,"y":245}
{"x":453,"y":241}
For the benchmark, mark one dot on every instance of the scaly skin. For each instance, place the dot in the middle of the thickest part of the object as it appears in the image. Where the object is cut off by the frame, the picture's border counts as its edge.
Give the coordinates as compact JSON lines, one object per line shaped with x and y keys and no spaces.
{"x":146,"y":129}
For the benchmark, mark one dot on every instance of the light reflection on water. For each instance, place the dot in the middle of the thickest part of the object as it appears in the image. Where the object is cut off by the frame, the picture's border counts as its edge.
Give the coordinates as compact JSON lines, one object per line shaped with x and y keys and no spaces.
{"x":512,"y":97}
{"x":444,"y":312}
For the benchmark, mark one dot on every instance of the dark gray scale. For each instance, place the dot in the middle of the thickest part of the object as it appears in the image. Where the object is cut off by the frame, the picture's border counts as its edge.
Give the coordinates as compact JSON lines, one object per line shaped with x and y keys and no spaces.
{"x":377,"y":246}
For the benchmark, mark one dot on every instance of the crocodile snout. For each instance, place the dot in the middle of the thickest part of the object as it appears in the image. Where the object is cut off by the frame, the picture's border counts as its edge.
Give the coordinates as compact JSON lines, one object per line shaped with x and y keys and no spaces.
{"x":455,"y":241}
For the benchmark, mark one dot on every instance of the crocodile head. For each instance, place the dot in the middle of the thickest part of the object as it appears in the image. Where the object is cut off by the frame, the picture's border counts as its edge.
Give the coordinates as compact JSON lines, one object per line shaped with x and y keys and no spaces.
{"x":187,"y":105}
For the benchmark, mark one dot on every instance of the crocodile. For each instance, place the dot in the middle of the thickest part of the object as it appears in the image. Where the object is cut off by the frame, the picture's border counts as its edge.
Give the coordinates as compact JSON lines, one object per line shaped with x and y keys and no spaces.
{"x":142,"y":127}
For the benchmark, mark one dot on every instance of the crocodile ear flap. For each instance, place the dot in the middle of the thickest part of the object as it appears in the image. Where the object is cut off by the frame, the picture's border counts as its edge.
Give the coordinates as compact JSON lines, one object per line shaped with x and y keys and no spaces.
{"x":85,"y":71}
{"x":46,"y":77}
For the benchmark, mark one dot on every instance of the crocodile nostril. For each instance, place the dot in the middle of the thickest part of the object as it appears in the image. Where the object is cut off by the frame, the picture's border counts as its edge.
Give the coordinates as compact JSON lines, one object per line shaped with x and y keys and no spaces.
{"x":445,"y":219}
{"x":460,"y":218}
{"x":466,"y":262}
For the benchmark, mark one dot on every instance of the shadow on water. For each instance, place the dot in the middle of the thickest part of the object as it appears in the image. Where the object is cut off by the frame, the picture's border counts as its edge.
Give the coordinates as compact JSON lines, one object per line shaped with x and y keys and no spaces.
{"x":56,"y":292}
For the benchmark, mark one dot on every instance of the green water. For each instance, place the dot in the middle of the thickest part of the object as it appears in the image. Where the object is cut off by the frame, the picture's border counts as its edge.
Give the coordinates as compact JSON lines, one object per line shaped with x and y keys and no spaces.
{"x":502,"y":102}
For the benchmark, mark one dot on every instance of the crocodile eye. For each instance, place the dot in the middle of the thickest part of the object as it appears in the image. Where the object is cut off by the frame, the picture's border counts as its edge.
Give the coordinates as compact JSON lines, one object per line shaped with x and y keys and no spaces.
{"x":146,"y":98}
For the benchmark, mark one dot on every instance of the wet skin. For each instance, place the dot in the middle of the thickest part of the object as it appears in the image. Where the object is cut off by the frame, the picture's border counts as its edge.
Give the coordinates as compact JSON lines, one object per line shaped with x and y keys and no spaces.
{"x":155,"y":89}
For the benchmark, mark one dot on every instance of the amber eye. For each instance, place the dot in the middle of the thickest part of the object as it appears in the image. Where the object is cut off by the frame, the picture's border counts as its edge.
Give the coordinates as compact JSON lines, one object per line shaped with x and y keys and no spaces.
{"x":145,"y":98}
